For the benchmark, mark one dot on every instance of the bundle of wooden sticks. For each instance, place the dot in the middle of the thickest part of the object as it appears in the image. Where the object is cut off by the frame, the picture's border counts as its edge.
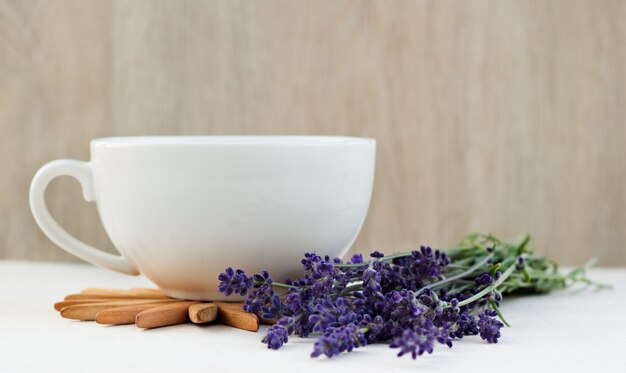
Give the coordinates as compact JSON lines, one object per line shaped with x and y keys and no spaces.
{"x":150,"y":308}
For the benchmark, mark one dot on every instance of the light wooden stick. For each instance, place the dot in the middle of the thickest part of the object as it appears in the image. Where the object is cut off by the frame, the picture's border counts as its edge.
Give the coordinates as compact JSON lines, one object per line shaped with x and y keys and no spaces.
{"x":88,"y":311}
{"x":97,"y":293}
{"x":60,"y":305}
{"x":202,"y":313}
{"x":232,"y":314}
{"x":126,"y":314}
{"x":169,"y":314}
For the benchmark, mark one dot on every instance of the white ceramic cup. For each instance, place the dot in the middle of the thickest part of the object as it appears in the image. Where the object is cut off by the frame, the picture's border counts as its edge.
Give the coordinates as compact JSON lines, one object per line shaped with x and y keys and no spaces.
{"x":182,"y":209}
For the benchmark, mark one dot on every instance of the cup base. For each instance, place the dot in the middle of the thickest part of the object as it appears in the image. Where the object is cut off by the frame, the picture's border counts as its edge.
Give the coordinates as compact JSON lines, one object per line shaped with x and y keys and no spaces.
{"x":205,"y":296}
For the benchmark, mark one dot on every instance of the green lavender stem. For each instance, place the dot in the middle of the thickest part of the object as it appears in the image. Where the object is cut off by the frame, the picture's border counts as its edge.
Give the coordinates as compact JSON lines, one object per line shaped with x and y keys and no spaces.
{"x":489,"y":288}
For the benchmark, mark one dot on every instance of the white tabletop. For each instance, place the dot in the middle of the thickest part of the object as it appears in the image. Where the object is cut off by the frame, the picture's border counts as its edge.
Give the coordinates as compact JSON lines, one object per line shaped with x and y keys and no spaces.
{"x":566,"y":331}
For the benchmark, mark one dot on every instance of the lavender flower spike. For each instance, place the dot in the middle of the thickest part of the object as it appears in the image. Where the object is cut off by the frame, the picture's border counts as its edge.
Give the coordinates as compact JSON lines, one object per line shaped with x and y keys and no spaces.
{"x":232,"y":281}
{"x":488,"y":326}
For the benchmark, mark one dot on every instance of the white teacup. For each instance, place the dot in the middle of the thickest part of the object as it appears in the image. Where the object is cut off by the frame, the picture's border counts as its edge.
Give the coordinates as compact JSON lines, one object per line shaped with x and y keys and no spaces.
{"x":181,"y":209}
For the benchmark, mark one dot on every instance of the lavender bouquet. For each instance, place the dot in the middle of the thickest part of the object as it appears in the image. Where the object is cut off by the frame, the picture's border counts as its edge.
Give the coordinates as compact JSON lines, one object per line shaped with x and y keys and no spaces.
{"x":412,"y":300}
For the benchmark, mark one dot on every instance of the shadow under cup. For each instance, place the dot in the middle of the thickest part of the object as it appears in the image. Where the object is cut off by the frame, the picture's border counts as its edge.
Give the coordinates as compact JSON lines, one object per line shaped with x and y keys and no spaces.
{"x":182,"y":209}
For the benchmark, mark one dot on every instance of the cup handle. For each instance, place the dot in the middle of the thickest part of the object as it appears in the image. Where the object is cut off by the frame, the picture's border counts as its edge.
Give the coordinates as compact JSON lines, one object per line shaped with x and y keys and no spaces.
{"x":81,"y":171}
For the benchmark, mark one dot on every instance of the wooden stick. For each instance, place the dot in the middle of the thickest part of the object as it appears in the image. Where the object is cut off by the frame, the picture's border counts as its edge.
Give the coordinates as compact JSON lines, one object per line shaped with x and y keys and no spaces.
{"x":136,"y":292}
{"x":88,"y":311}
{"x":111,"y":296}
{"x":96,"y":293}
{"x":126,"y":314}
{"x":169,"y":314}
{"x":60,"y":305}
{"x":232,"y":314}
{"x":202,"y":313}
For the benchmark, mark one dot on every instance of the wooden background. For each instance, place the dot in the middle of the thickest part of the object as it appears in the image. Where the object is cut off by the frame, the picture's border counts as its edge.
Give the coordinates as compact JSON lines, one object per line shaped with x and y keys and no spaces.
{"x":505,"y":116}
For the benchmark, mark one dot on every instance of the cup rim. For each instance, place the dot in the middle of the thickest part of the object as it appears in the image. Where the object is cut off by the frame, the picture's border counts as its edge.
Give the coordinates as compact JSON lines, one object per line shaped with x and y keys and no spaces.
{"x":299,"y":140}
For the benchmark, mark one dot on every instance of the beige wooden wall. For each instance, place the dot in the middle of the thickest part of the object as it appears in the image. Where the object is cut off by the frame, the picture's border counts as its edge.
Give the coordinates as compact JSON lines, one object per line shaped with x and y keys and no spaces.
{"x":506,"y":116}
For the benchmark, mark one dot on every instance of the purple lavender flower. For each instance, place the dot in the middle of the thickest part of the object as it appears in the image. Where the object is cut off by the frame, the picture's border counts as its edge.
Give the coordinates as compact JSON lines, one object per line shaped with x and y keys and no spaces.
{"x":257,"y":299}
{"x":465,"y":325}
{"x":274,"y":308}
{"x":262,"y":278}
{"x":356,"y":259}
{"x":337,"y":340}
{"x":371,"y":281}
{"x":429,"y":263}
{"x":376,"y":327}
{"x":414,"y":342}
{"x":488,"y":326}
{"x":232,"y":281}
{"x":318,"y":266}
{"x":416,"y":270}
{"x":402,"y":308}
{"x":333,"y":314}
{"x":421,"y":338}
{"x":276,"y":336}
{"x":484,"y":279}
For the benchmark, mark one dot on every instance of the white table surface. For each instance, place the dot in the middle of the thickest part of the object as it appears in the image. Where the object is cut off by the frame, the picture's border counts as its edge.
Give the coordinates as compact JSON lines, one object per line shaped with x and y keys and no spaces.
{"x":571,"y":331}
